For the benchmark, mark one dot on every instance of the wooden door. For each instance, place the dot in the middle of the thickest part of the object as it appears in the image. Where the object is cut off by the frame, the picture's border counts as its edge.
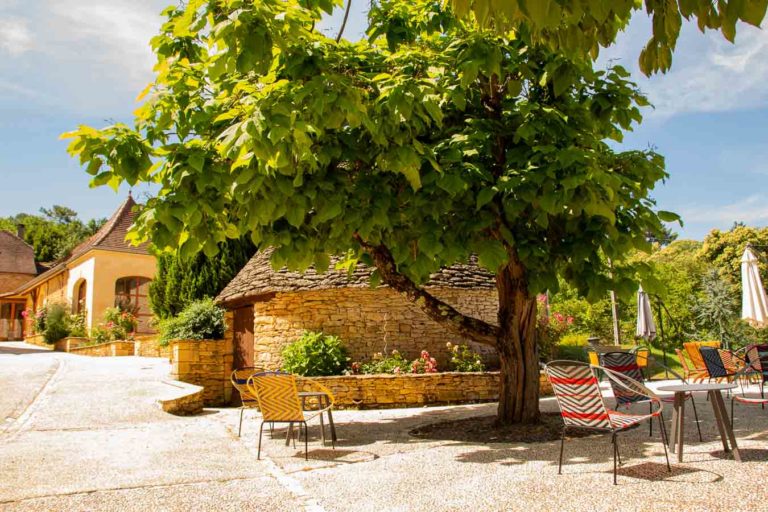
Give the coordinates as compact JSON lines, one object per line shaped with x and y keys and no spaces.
{"x":243,"y":337}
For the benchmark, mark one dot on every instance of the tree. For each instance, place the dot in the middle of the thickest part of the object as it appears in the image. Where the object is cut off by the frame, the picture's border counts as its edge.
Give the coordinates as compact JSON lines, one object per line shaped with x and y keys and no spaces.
{"x":410,"y":151}
{"x":581,"y":27}
{"x":724,"y":250}
{"x":180,"y":282}
{"x":53,"y":234}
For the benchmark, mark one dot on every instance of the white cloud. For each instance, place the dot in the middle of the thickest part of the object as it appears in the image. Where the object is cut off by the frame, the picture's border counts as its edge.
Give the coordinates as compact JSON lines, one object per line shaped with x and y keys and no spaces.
{"x":15,"y":38}
{"x":751,"y":210}
{"x":708,"y":73}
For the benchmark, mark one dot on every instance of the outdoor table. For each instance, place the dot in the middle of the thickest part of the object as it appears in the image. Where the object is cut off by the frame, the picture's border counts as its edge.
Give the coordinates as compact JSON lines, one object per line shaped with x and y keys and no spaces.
{"x":718,"y":406}
{"x":322,"y":400}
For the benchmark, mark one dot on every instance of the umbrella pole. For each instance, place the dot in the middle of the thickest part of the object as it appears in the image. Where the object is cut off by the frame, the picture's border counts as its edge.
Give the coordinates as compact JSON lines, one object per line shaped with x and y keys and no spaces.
{"x":663,"y":340}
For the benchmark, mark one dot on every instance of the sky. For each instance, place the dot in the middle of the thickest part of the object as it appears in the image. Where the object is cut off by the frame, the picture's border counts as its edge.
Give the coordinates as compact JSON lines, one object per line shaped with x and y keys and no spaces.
{"x":70,"y":62}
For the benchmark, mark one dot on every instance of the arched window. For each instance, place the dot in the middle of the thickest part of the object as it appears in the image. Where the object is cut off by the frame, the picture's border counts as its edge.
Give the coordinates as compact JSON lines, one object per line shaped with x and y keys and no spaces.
{"x":80,"y":296}
{"x":132,"y":294}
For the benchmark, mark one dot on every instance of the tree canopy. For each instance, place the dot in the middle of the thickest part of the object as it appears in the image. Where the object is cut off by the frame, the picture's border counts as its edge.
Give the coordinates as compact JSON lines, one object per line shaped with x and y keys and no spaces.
{"x":430,"y":141}
{"x":54,"y":233}
{"x":581,"y":27}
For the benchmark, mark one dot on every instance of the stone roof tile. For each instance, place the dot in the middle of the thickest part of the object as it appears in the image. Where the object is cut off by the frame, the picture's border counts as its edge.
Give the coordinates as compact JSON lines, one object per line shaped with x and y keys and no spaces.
{"x":259,"y":278}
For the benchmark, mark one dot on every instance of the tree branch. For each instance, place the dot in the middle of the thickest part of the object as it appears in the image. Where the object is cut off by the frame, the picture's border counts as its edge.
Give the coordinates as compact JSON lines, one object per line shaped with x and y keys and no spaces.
{"x":344,"y":21}
{"x":439,"y":311}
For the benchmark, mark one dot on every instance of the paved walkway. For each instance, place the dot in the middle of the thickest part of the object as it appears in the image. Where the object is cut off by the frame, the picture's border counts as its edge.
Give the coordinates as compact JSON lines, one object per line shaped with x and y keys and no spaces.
{"x":83,"y":434}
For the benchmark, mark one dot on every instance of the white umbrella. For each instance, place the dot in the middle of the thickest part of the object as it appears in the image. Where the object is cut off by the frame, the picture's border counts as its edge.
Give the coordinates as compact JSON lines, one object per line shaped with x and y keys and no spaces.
{"x":754,"y":302}
{"x":646,"y":328}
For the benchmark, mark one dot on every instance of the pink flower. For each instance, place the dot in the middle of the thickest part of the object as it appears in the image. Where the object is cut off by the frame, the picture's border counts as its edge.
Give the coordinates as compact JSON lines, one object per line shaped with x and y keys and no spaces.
{"x":396,"y":370}
{"x":570,"y":320}
{"x":25,"y":313}
{"x":424,"y":354}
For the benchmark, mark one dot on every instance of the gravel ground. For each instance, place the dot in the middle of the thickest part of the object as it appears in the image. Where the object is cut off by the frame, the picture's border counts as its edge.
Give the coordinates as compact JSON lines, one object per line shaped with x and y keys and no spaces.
{"x":84,"y":434}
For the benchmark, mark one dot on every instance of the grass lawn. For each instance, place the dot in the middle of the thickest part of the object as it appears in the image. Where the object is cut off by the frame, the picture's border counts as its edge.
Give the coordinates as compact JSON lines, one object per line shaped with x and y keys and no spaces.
{"x":579,"y":353}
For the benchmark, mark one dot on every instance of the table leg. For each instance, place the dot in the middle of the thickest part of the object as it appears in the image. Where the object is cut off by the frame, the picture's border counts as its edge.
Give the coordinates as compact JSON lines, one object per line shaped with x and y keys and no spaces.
{"x":719,"y":418}
{"x":680,"y":425}
{"x":672,"y":441}
{"x":726,"y":424}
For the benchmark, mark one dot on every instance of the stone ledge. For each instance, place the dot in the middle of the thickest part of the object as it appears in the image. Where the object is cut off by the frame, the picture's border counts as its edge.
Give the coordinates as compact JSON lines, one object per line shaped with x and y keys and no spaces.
{"x":181,"y":399}
{"x":109,"y":349}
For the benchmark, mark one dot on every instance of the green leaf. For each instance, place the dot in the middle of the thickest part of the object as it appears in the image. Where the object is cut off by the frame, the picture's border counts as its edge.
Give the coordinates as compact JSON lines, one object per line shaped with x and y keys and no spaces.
{"x":668,"y":216}
{"x":491,"y":254}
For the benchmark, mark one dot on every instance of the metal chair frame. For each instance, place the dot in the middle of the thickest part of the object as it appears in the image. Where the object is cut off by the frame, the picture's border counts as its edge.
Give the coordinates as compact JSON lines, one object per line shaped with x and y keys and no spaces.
{"x":599,"y":417}
{"x":294,"y":415}
{"x":617,"y":361}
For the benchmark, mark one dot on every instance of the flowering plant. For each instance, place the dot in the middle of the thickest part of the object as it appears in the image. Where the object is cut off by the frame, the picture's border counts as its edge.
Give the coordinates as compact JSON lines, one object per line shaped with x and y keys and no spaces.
{"x":464,"y":359}
{"x":424,"y":364}
{"x":381,"y":363}
{"x":550,"y":329}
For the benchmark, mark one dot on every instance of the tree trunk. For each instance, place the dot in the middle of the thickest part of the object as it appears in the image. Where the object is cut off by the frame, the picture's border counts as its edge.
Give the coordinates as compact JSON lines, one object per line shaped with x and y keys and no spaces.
{"x":517,"y":347}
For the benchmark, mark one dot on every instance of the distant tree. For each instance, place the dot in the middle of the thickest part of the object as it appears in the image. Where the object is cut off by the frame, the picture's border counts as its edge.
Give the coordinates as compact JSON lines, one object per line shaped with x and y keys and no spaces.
{"x":54,"y":233}
{"x":666,"y":238}
{"x":716,"y":310}
{"x":724,"y":250}
{"x":179,"y":282}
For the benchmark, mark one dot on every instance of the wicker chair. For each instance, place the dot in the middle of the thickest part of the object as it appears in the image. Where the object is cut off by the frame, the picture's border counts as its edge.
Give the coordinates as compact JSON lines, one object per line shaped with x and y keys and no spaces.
{"x":693,"y":349}
{"x":627,"y":364}
{"x":716,"y":368}
{"x":582,"y":405}
{"x":757,"y":358}
{"x":689,"y":372}
{"x":279,"y":402}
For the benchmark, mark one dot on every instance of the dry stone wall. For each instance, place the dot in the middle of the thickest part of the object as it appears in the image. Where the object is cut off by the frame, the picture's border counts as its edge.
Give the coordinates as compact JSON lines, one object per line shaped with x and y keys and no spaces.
{"x":206,"y":363}
{"x":408,"y":390}
{"x":109,"y":349}
{"x":367,"y":320}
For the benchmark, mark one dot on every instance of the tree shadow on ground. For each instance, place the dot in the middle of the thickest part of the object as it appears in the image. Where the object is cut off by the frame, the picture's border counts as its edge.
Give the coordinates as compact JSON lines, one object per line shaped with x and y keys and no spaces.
{"x":17,"y":351}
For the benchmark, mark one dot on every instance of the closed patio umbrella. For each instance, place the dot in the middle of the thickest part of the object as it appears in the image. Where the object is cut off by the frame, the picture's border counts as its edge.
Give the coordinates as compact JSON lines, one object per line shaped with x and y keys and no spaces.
{"x":754,"y":302}
{"x":646,"y":328}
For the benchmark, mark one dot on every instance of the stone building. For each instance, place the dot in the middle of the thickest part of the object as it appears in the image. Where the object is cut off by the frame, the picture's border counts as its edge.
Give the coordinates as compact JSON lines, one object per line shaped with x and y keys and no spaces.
{"x":99,"y":273}
{"x":17,"y":266}
{"x":271,"y":309}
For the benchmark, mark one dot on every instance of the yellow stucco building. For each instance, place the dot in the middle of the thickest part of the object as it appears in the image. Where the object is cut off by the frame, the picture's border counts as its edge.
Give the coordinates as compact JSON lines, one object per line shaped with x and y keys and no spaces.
{"x":101,"y":272}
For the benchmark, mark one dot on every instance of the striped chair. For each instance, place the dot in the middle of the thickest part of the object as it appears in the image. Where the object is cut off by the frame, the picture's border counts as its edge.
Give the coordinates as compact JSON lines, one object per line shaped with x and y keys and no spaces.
{"x":716,"y":368}
{"x":757,"y":358}
{"x":279,"y":402}
{"x":689,"y":372}
{"x":582,"y":405}
{"x":627,"y":365}
{"x":693,"y":349}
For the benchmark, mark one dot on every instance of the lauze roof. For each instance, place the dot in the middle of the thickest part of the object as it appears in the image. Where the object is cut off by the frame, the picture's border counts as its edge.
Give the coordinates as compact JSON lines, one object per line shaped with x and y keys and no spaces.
{"x":258,"y":278}
{"x":16,"y":255}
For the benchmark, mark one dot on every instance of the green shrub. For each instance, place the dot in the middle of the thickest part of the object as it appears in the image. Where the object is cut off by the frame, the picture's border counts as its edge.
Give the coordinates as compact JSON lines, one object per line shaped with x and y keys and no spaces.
{"x":56,"y":322}
{"x":464,"y":359}
{"x":201,"y":320}
{"x":315,"y":354}
{"x":77,"y":325}
{"x":574,"y":340}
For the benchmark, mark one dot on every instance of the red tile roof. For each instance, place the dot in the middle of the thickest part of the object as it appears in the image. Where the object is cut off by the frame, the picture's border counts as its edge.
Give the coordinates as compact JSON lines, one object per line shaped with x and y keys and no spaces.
{"x":111,"y":237}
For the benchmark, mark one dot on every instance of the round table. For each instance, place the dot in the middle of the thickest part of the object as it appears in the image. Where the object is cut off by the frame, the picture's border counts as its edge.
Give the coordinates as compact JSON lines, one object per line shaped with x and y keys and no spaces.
{"x":718,"y":406}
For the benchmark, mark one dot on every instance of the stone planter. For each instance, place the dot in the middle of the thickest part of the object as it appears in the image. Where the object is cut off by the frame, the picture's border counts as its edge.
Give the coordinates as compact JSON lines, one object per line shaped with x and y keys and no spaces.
{"x":411,"y":390}
{"x":39,"y":340}
{"x":109,"y":349}
{"x":68,"y":343}
{"x":149,"y":347}
{"x":206,"y":363}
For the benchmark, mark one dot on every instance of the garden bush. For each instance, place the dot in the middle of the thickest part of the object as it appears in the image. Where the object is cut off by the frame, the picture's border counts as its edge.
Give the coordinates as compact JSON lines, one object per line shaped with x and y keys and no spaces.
{"x":77,"y":325}
{"x":201,"y":320}
{"x":394,"y":363}
{"x":56,"y":323}
{"x":315,"y":355}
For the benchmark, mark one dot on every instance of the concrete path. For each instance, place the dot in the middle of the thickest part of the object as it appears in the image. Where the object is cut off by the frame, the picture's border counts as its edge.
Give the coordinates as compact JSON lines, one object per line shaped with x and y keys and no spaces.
{"x":83,"y":434}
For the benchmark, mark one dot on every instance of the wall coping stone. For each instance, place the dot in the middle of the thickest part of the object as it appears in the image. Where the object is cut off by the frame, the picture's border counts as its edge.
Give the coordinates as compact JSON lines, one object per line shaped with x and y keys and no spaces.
{"x":181,"y":398}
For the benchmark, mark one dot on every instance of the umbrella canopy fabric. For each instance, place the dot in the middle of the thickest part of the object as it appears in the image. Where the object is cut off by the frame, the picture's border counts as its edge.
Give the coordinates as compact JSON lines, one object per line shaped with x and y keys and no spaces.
{"x":646,"y":327}
{"x":754,"y":302}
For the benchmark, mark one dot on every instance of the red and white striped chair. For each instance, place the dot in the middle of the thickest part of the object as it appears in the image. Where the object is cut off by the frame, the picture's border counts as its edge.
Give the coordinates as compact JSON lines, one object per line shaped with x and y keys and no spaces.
{"x":582,"y":405}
